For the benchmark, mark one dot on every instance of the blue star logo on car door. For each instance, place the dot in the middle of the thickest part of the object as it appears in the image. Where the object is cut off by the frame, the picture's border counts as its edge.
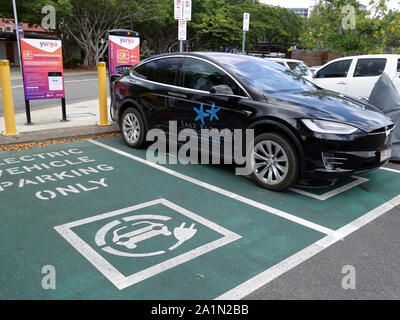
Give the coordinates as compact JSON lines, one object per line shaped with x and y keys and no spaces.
{"x":201,"y":114}
{"x":212,"y":113}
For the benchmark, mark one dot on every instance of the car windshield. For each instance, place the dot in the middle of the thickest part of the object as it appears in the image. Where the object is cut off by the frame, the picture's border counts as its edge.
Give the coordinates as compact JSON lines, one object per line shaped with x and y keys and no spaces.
{"x":267,"y":76}
{"x":299,"y":68}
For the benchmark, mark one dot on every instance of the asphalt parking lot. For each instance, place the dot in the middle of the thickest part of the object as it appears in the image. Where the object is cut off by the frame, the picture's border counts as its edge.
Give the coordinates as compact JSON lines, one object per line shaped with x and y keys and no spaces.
{"x":116,"y":226}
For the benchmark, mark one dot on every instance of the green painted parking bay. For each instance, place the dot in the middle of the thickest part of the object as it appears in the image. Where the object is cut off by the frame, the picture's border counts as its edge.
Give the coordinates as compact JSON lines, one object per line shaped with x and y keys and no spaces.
{"x":332,"y":207}
{"x":116,"y":228}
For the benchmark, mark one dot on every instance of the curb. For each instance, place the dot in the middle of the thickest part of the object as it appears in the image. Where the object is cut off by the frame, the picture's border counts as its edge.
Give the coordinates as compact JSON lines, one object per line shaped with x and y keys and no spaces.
{"x":52,"y":134}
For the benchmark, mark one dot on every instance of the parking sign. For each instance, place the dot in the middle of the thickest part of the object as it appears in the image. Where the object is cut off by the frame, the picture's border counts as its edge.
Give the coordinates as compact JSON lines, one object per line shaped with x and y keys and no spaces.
{"x":187,"y":10}
{"x":182,"y":30}
{"x":246,"y":21}
{"x":178,"y":10}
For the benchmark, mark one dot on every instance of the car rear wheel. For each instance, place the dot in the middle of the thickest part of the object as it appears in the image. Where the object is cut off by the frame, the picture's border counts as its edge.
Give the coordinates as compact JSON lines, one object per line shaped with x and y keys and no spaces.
{"x":276,"y":165}
{"x":132,"y":128}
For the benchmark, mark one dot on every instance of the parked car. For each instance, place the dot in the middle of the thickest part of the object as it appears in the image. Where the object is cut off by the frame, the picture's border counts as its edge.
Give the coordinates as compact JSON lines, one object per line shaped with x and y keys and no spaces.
{"x":314,"y":69}
{"x":301,"y":131}
{"x":356,"y":76}
{"x":297,"y":66}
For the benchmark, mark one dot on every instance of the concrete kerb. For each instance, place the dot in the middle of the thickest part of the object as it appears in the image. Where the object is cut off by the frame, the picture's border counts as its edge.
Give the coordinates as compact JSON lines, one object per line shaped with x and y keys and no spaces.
{"x":58,"y":134}
{"x":82,"y":117}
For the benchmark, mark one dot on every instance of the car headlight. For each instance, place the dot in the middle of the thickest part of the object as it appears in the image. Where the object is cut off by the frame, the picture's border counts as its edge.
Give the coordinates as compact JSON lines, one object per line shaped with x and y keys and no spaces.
{"x":323,"y":126}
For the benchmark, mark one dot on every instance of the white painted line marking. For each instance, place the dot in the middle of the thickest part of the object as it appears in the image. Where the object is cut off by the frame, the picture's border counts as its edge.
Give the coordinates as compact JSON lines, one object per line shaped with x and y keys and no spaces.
{"x":116,"y":277}
{"x":390,"y":169}
{"x":226,"y":193}
{"x":282,"y":267}
{"x":332,"y":193}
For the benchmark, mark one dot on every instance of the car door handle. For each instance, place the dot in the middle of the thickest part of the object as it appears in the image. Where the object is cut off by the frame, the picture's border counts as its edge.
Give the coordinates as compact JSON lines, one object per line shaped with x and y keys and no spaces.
{"x":178,"y":95}
{"x":341,"y":82}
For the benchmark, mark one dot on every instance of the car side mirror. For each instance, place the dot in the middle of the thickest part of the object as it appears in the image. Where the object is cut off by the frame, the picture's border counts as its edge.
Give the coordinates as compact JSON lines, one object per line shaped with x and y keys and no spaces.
{"x":222,"y":90}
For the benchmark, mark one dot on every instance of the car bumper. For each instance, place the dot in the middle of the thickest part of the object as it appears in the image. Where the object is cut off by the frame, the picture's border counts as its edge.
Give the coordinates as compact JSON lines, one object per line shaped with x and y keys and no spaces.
{"x":332,"y":158}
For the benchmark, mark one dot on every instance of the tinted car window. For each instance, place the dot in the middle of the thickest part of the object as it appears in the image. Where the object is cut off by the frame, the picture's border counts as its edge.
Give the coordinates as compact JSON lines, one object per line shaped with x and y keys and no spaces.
{"x":201,"y":75}
{"x":369,"y":67}
{"x":337,"y":69}
{"x":264,"y":75}
{"x":161,"y":70}
{"x":398,"y":65}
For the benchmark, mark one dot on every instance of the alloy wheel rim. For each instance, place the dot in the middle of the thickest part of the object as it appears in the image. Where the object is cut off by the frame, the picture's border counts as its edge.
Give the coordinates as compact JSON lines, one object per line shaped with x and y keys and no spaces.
{"x":271,"y":164}
{"x":131,"y":128}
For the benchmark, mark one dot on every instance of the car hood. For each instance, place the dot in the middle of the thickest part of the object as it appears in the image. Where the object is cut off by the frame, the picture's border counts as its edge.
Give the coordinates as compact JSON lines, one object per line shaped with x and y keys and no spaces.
{"x":324,"y":104}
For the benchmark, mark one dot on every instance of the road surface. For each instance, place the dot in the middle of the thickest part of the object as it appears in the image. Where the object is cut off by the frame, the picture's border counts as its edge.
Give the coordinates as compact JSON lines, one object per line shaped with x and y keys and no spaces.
{"x":78,"y":87}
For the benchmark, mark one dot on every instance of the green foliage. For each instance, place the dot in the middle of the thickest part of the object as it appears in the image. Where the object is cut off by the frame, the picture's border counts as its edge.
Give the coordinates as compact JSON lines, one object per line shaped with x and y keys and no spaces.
{"x":324,"y":28}
{"x":217,"y":24}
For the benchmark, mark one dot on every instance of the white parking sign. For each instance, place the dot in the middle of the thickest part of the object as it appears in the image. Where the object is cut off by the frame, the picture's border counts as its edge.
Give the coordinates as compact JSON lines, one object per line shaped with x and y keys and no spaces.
{"x":187,"y":10}
{"x":178,"y":12}
{"x":182,"y":30}
{"x":246,"y":21}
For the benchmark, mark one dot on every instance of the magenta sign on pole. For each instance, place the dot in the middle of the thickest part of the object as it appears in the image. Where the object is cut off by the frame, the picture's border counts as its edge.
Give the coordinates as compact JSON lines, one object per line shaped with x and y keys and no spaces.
{"x":43,"y":69}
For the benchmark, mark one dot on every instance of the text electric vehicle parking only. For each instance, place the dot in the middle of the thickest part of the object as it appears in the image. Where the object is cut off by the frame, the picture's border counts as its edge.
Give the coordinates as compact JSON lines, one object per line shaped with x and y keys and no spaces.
{"x":301,"y":131}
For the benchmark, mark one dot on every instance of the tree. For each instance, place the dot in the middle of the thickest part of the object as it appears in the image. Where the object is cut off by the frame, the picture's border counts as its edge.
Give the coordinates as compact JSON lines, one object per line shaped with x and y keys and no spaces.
{"x":392,"y":33}
{"x":89,"y":21}
{"x":161,"y":33}
{"x":219,"y":24}
{"x":325,"y":27}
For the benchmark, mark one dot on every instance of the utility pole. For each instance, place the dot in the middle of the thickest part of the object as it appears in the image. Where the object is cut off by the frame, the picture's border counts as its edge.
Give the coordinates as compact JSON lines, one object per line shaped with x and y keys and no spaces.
{"x":182,"y":13}
{"x":246,"y":23}
{"x":17,"y":33}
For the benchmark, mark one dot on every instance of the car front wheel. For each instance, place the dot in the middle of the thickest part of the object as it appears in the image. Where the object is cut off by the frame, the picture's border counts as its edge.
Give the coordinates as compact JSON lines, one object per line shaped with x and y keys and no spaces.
{"x":133,"y":129}
{"x":276,"y":165}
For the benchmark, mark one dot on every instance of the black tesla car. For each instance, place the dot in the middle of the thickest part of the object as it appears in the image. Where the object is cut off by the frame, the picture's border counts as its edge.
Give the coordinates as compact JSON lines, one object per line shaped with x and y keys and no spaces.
{"x":301,"y":131}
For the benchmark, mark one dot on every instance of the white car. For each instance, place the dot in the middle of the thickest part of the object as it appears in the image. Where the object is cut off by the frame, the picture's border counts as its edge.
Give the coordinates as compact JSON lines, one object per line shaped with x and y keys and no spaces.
{"x":356,"y":76}
{"x":314,"y":69}
{"x":297,"y":66}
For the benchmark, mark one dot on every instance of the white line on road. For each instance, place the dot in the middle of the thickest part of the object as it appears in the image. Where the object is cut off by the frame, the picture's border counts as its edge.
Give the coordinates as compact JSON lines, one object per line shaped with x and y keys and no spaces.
{"x":226,"y":193}
{"x":284,"y":266}
{"x":289,"y":263}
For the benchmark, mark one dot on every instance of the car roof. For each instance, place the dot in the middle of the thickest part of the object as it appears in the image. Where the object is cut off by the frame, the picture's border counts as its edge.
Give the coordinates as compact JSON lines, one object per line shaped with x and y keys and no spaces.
{"x":208,"y":55}
{"x":368,"y":56}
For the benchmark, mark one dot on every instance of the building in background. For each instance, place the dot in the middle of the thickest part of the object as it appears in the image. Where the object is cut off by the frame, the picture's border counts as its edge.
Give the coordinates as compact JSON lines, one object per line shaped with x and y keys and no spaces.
{"x":302,"y":12}
{"x":302,"y":8}
{"x":8,"y":39}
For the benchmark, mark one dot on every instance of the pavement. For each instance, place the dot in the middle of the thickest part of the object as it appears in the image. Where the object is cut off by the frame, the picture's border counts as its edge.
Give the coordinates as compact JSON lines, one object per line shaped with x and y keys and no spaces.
{"x":82,"y":111}
{"x":47,"y":125}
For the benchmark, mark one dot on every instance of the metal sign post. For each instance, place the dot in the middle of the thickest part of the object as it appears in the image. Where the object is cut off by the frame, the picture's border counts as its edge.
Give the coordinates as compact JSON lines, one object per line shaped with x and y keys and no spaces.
{"x":246,"y":23}
{"x":182,"y":13}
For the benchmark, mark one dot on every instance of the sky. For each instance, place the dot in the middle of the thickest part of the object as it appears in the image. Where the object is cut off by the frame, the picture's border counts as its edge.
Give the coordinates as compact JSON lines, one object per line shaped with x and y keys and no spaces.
{"x":392,"y":4}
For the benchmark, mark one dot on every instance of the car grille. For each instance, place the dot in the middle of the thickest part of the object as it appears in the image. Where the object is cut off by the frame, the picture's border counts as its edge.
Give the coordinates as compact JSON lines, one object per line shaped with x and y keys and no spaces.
{"x":383,"y":130}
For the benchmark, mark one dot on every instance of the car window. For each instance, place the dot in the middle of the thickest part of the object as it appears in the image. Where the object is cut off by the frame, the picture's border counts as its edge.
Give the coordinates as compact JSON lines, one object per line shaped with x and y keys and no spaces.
{"x":337,"y":69}
{"x":299,"y":68}
{"x":369,"y":67}
{"x":161,"y":70}
{"x":281,"y":63}
{"x":265,"y":76}
{"x":201,"y":75}
{"x":398,"y":65}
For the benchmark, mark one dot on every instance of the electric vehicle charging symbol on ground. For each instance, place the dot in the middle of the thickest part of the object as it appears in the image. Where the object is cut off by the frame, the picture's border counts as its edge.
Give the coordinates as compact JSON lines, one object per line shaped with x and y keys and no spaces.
{"x":130,"y":236}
